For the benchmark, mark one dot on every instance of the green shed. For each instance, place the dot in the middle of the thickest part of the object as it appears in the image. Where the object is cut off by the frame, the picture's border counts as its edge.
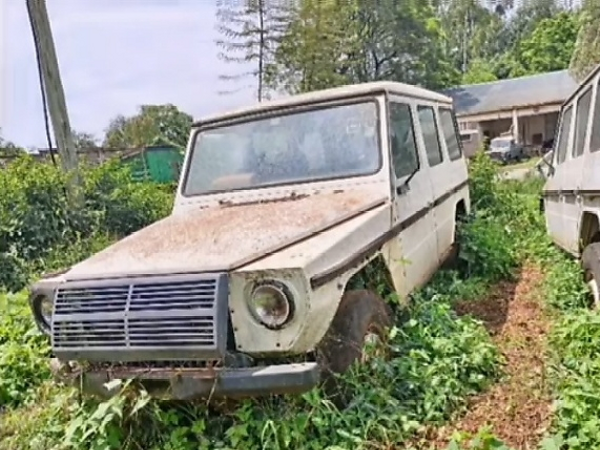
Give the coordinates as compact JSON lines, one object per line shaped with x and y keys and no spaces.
{"x":160,"y":164}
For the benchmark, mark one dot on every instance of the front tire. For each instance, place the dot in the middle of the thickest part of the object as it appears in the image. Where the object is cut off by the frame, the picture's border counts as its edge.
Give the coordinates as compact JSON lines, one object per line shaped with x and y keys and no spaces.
{"x":590,"y":263}
{"x":361,"y":315}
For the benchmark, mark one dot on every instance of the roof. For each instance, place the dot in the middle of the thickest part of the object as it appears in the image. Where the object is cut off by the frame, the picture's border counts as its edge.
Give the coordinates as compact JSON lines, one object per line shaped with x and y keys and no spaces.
{"x":337,"y":93}
{"x":533,"y":90}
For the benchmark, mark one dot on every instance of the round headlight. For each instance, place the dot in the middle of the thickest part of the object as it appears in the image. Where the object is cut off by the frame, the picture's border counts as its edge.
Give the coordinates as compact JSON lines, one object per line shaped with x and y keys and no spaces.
{"x":271,"y":304}
{"x":42,"y":310}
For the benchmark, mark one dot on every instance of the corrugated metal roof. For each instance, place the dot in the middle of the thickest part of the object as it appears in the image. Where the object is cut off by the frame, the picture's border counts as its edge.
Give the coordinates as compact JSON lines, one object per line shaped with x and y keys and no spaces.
{"x":551,"y":87}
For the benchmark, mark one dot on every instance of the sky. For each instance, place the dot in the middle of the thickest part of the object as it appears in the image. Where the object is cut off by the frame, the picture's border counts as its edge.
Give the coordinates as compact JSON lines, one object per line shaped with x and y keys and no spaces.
{"x":114,"y":55}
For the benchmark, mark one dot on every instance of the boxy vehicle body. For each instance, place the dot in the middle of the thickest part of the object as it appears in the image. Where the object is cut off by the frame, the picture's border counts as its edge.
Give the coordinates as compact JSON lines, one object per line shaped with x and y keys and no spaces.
{"x":571,"y":194}
{"x":279,"y":207}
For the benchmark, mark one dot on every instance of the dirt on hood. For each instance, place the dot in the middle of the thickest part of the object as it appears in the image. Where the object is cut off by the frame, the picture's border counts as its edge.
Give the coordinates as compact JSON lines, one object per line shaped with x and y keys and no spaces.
{"x":224,"y":237}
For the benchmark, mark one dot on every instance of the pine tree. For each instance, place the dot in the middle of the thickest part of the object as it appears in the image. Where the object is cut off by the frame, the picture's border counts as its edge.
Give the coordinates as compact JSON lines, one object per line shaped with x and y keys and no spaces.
{"x":587,"y":49}
{"x":250,"y":35}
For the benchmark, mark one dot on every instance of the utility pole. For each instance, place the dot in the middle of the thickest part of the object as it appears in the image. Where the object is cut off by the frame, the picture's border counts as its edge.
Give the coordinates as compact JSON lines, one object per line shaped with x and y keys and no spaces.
{"x":57,"y":106}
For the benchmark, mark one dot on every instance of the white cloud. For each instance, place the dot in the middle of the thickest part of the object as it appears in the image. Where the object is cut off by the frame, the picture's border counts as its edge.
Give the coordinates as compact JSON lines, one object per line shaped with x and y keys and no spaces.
{"x":115,"y":55}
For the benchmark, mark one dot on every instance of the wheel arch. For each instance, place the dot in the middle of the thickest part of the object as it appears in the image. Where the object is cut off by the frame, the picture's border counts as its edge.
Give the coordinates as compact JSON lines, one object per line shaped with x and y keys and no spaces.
{"x":375,"y":276}
{"x":589,"y":229}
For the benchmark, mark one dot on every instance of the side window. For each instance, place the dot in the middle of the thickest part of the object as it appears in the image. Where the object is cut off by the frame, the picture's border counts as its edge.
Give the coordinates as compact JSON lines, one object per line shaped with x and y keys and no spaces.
{"x":430,"y":135}
{"x":581,"y":122}
{"x":402,"y":138}
{"x":595,"y":137}
{"x":563,"y":139}
{"x":450,"y":130}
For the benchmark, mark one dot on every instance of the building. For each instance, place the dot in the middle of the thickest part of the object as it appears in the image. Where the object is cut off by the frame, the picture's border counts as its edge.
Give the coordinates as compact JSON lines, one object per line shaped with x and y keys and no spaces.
{"x":527,"y":106}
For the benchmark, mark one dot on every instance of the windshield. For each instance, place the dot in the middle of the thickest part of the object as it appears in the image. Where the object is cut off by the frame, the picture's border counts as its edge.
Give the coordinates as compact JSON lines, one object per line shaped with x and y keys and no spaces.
{"x":502,"y":144}
{"x":324,"y":143}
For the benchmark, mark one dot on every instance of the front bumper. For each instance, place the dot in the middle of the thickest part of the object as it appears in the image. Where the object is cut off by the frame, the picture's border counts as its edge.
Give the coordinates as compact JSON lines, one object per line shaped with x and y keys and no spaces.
{"x":197,"y":383}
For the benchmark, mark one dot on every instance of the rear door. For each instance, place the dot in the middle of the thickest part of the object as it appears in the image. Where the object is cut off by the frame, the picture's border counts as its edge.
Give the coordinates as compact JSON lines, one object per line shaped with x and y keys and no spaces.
{"x":571,"y":200}
{"x":431,"y":142}
{"x":412,"y":256}
{"x":452,"y":178}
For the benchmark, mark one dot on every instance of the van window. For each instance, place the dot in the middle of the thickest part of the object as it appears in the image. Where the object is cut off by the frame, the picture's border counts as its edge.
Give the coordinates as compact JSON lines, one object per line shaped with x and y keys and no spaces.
{"x":430,"y":135}
{"x":581,"y":122}
{"x":402,"y":138}
{"x":450,"y":131}
{"x":595,"y":137}
{"x":563,"y":139}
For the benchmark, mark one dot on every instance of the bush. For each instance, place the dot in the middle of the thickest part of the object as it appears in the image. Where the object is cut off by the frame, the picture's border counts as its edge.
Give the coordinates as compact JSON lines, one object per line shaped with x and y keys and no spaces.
{"x":36,"y":221}
{"x":23,"y":353}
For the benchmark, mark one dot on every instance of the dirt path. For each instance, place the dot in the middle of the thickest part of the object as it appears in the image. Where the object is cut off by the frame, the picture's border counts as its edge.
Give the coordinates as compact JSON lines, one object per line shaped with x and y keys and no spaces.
{"x":518,"y":407}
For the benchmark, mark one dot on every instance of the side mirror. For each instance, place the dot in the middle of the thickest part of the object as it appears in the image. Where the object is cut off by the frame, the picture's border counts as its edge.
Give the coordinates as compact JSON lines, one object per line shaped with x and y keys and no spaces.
{"x":551,"y":169}
{"x":403,"y":189}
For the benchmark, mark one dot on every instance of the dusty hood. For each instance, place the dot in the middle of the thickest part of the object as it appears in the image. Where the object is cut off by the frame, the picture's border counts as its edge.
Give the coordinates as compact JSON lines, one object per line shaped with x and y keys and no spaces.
{"x":224,"y":237}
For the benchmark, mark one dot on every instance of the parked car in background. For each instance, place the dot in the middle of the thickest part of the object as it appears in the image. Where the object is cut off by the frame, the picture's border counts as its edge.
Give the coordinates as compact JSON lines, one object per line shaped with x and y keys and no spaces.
{"x":505,"y":149}
{"x":279,"y":208}
{"x":472,"y":142}
{"x":571,"y":194}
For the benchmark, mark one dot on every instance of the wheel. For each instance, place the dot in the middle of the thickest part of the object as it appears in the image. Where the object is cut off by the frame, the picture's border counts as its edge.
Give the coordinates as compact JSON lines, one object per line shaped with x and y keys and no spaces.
{"x":590,"y":263}
{"x":363,"y":317}
{"x":452,"y":257}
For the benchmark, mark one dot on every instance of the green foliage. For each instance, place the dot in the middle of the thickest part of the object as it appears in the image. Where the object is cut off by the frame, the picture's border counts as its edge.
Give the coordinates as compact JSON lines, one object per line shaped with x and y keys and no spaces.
{"x":549,"y":48}
{"x":587,"y":49}
{"x":480,"y":71}
{"x":22,"y":353}
{"x":484,"y":439}
{"x":37,"y":221}
{"x":153,"y":125}
{"x":331,"y":43}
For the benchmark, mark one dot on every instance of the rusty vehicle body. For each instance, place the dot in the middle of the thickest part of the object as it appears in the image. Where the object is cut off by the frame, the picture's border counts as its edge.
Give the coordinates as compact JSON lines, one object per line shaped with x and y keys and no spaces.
{"x":279,"y":207}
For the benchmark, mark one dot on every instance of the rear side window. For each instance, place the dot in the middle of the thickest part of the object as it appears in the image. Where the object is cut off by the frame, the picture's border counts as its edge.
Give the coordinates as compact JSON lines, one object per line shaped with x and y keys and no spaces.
{"x":595,"y":137}
{"x":402,"y":138}
{"x":430,"y":135}
{"x":581,"y":122}
{"x":450,"y":131}
{"x":565,"y":131}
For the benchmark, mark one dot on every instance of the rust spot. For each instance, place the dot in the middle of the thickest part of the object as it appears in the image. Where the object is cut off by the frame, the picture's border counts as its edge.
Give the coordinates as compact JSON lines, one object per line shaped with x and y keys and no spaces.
{"x":160,"y":373}
{"x":293,"y":196}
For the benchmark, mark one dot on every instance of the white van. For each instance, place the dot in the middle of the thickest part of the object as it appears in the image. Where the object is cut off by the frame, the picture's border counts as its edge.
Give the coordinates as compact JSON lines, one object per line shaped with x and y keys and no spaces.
{"x":571,"y":195}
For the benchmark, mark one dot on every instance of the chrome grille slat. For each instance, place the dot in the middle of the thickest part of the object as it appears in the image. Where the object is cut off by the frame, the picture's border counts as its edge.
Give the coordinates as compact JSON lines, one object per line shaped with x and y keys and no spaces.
{"x":180,"y":317}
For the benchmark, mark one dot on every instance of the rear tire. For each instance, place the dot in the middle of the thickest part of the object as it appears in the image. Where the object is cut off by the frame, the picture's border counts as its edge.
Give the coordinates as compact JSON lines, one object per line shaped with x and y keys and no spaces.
{"x":452,"y":257}
{"x":590,"y":263}
{"x":361,"y":314}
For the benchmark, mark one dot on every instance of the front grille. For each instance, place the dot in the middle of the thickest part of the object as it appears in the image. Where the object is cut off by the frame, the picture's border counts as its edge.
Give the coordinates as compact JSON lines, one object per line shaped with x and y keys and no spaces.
{"x":179,"y":318}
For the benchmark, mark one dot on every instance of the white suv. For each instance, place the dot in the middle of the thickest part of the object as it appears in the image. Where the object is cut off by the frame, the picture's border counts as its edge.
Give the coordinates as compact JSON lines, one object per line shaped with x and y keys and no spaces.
{"x":572,"y":190}
{"x":245,"y":289}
